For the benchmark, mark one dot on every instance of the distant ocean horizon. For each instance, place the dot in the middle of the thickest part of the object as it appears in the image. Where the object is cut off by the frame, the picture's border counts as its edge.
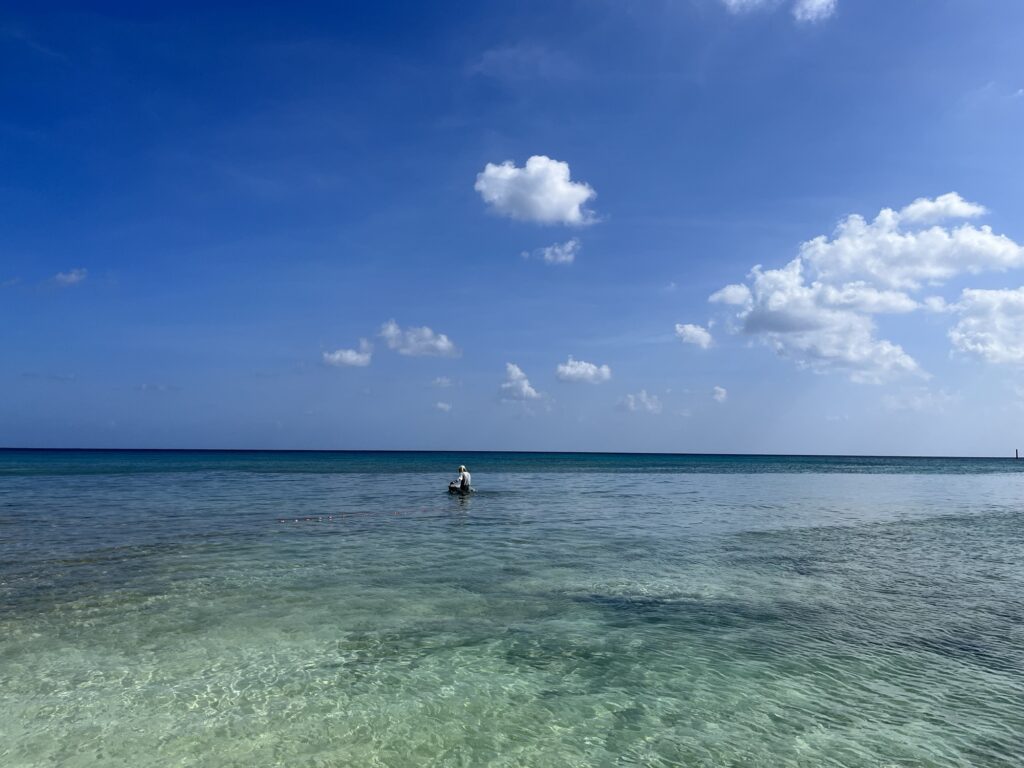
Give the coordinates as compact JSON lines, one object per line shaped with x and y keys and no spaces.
{"x":9,"y":448}
{"x":683,"y":458}
{"x":240,"y":607}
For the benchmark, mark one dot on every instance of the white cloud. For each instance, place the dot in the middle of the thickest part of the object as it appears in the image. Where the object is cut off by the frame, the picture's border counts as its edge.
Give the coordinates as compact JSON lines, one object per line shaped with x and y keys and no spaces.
{"x":71,"y":277}
{"x":743,"y":6}
{"x":580,"y":370}
{"x":443,"y":407}
{"x":642,"y":401}
{"x":516,"y":386}
{"x":947,"y":206}
{"x":693,"y":334}
{"x":862,"y":297}
{"x":442,"y":382}
{"x":891,"y":252}
{"x":355,"y":357}
{"x":813,"y":10}
{"x":720,"y":394}
{"x":818,"y":310}
{"x":803,"y":10}
{"x":819,"y":327}
{"x":991,"y":325}
{"x":417,"y":342}
{"x":560,"y":253}
{"x":541,"y":191}
{"x":734,"y":295}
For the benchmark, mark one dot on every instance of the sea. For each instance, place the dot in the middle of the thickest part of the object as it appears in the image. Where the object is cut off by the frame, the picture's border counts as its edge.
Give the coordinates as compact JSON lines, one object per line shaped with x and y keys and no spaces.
{"x":206,"y":608}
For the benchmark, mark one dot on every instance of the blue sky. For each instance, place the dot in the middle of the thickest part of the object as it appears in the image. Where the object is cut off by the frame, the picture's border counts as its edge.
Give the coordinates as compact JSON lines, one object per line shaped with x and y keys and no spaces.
{"x":542,"y":220}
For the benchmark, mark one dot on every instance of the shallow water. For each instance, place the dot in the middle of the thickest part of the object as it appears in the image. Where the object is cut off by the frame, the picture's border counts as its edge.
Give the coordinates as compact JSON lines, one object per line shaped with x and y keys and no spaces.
{"x":291,"y":609}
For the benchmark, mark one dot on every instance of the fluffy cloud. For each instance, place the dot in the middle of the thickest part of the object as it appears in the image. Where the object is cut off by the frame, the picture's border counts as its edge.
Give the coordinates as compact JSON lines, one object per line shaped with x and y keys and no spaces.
{"x":991,"y":326}
{"x":894,"y":253}
{"x":720,"y":394}
{"x":642,"y":401}
{"x":947,"y":206}
{"x":819,"y":309}
{"x":71,"y":277}
{"x":734,"y":295}
{"x":443,"y":407}
{"x":417,"y":342}
{"x":819,"y":326}
{"x":442,"y":382}
{"x":516,"y":386}
{"x":559,"y":253}
{"x":541,"y":191}
{"x":355,"y":357}
{"x":693,"y":334}
{"x":580,"y":370}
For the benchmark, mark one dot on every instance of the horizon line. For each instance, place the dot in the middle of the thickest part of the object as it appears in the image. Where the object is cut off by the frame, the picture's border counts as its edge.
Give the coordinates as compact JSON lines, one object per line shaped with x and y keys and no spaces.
{"x":6,"y":449}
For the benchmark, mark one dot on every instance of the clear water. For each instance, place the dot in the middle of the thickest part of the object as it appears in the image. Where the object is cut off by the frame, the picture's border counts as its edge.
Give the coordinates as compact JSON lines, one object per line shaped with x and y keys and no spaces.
{"x":311,"y":609}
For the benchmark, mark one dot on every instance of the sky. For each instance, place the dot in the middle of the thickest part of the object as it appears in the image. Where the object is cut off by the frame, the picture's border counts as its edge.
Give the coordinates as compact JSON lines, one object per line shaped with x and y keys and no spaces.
{"x":739,"y":226}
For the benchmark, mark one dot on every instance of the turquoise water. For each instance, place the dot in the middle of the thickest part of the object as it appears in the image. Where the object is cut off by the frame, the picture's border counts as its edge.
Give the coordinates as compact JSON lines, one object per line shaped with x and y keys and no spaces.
{"x":340,"y":609}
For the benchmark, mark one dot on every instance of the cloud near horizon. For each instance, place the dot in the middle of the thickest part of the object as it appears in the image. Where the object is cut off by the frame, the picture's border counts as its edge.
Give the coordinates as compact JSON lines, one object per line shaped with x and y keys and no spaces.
{"x":542,"y":191}
{"x":642,"y":401}
{"x":580,"y":370}
{"x":819,"y":309}
{"x":359,"y":358}
{"x":417,"y":342}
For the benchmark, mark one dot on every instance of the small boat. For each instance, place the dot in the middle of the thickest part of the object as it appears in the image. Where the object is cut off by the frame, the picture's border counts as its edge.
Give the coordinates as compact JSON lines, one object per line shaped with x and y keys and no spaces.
{"x":454,"y":487}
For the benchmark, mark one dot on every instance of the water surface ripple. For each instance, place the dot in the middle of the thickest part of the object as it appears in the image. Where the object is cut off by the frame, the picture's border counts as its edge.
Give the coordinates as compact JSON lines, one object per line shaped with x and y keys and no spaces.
{"x":195,"y":609}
